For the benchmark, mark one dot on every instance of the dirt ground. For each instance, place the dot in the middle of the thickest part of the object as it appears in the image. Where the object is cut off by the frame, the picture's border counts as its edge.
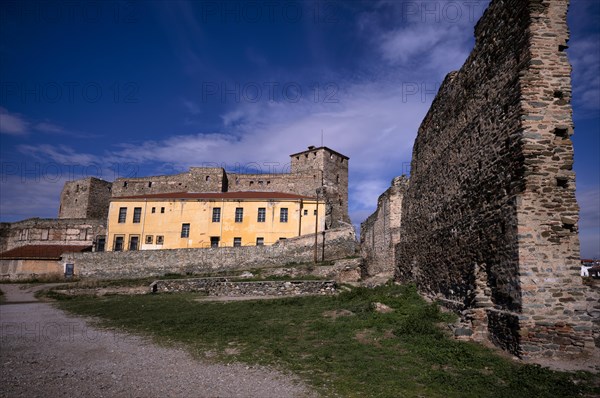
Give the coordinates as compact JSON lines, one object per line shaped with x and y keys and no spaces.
{"x":45,"y":352}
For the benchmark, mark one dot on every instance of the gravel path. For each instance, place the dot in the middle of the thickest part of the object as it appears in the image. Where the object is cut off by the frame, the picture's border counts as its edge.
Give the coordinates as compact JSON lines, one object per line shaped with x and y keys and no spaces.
{"x":46,"y":353}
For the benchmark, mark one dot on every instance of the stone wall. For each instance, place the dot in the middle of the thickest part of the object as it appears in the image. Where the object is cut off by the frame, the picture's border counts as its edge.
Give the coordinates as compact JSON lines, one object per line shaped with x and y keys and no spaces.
{"x":227,"y":287}
{"x":40,"y":231}
{"x":197,"y":179}
{"x":15,"y":269}
{"x":85,"y":198}
{"x":489,"y":220}
{"x":380,"y":232}
{"x":339,"y":243}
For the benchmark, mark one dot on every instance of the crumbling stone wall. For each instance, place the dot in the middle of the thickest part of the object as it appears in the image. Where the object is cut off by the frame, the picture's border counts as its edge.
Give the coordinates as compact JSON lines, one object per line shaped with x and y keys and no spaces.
{"x":339,"y":243}
{"x":85,"y":198}
{"x":489,"y":221}
{"x":39,"y":231}
{"x":380,"y":233}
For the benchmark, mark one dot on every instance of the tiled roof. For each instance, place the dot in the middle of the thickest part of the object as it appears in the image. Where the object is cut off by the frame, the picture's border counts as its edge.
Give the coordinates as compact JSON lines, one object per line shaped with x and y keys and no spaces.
{"x":217,"y":195}
{"x":48,"y":252}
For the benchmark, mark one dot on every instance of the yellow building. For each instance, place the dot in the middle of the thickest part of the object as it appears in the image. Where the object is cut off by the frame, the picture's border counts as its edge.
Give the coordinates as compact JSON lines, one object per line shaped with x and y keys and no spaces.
{"x":195,"y":220}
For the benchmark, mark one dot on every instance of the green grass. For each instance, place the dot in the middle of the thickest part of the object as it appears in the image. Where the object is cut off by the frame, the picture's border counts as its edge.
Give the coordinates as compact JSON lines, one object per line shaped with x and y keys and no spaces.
{"x":368,"y":354}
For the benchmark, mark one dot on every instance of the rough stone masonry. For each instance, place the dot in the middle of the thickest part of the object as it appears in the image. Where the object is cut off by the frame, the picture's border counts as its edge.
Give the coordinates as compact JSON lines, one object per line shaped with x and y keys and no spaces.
{"x":490,"y":220}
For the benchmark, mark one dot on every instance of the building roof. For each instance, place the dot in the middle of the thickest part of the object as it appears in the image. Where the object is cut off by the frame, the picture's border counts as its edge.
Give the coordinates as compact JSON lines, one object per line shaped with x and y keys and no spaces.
{"x":42,"y":252}
{"x":217,"y":195}
{"x":311,"y":148}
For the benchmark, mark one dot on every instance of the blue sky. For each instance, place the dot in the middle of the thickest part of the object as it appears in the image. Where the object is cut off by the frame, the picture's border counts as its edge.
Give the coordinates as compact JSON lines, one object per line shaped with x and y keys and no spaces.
{"x":127,"y":88}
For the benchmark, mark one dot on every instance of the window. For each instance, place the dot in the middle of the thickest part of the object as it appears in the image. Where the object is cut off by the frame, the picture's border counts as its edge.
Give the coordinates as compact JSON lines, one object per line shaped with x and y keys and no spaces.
{"x":137,"y":214}
{"x":118,"y":246}
{"x":45,"y":233}
{"x":216,"y":217}
{"x":237,"y":242}
{"x":134,"y":241}
{"x":160,"y":239}
{"x":262,"y":214}
{"x":149,"y":184}
{"x":162,"y":209}
{"x":306,"y":212}
{"x":153,"y":210}
{"x":101,"y":244}
{"x":283,"y":214}
{"x":239,"y":214}
{"x":214,"y":241}
{"x":314,"y":212}
{"x":122,"y":214}
{"x":260,"y":241}
{"x":185,"y":230}
{"x":149,"y":239}
{"x":282,"y":239}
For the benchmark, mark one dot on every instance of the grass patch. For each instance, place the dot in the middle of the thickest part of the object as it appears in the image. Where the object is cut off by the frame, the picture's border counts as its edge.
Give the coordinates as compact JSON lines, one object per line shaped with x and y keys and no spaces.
{"x":339,"y":344}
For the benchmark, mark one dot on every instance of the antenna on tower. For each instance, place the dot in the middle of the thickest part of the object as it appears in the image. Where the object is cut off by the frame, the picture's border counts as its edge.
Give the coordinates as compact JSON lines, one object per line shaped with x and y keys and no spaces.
{"x":321,"y":137}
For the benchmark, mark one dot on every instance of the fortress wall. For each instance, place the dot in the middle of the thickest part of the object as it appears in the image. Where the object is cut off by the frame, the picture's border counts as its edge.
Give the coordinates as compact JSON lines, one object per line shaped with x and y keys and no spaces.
{"x":197,"y":179}
{"x":489,"y":221}
{"x":380,"y":233}
{"x":339,"y":243}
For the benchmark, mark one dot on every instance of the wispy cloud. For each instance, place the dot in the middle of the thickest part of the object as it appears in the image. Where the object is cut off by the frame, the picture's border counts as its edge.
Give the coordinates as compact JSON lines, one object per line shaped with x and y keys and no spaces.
{"x":61,"y":154}
{"x":584,"y":54}
{"x":11,"y":123}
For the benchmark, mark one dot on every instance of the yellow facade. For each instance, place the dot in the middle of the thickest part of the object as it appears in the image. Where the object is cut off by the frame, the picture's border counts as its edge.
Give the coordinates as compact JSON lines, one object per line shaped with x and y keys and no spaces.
{"x":152,"y":223}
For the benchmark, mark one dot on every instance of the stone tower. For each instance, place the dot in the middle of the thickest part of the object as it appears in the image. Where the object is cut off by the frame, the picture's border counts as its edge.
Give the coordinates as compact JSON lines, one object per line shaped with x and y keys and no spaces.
{"x":325,"y":171}
{"x":85,"y":198}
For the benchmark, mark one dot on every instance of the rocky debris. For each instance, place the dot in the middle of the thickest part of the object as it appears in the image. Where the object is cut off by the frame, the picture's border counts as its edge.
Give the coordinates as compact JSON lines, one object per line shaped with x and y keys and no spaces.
{"x":381,"y":308}
{"x":334,"y":314}
{"x":227,"y":287}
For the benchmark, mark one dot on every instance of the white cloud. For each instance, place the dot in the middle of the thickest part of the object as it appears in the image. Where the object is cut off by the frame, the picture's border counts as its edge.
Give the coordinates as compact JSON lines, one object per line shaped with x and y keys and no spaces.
{"x":12,"y":124}
{"x":61,"y":154}
{"x":585,"y":58}
{"x":46,"y":127}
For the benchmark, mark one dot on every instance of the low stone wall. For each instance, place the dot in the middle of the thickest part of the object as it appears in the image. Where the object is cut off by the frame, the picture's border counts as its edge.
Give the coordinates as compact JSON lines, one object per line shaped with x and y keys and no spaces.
{"x":225,"y":287}
{"x":338,"y":243}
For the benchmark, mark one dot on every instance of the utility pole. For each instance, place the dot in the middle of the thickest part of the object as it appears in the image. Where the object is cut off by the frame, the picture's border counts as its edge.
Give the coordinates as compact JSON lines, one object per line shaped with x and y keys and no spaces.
{"x":316,"y":229}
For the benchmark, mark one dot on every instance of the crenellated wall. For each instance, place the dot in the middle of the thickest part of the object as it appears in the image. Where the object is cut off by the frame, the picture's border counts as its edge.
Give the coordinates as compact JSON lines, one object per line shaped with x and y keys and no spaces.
{"x":490,"y":220}
{"x":197,"y":179}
